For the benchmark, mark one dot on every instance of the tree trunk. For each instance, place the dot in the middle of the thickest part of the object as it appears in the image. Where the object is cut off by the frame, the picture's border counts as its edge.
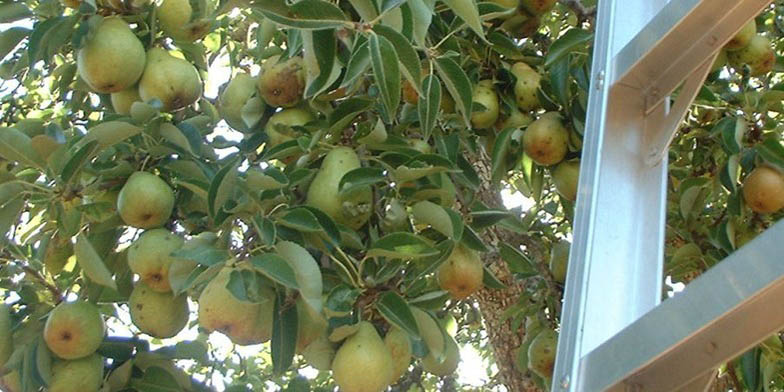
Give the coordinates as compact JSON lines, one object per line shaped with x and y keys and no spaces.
{"x":494,"y":303}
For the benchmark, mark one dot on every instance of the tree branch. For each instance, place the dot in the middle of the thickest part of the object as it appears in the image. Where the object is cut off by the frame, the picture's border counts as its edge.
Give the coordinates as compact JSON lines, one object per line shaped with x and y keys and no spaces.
{"x":583,"y":13}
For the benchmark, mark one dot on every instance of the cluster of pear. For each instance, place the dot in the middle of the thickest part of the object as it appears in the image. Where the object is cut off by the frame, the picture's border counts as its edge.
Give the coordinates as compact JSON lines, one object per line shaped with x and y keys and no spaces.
{"x":526,"y":17}
{"x":114,"y":61}
{"x":747,"y":48}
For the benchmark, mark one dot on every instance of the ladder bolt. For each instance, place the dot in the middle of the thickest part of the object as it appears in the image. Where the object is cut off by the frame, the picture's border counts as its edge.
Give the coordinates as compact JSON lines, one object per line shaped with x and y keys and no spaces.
{"x":565,"y":381}
{"x":600,"y":80}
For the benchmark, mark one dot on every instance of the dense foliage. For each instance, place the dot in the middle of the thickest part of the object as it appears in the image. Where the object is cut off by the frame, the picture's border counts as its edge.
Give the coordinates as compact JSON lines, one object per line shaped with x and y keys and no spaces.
{"x":332,"y":214}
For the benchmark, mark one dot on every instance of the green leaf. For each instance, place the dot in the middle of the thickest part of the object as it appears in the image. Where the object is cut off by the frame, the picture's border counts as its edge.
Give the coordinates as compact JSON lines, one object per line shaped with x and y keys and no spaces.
{"x":559,"y":80}
{"x":485,"y":218}
{"x":340,"y":301}
{"x":472,"y":240}
{"x":395,"y":309}
{"x":9,"y":214}
{"x":13,"y":11}
{"x":175,"y":136}
{"x":360,"y":178}
{"x":469,"y":13}
{"x":422,"y":15}
{"x":365,"y":8}
{"x":320,"y":59}
{"x":300,"y":219}
{"x":284,"y":334}
{"x":516,"y":261}
{"x":503,"y":143}
{"x":731,"y":130}
{"x":428,"y":105}
{"x":730,"y":173}
{"x":401,"y":246}
{"x":206,"y":255}
{"x":109,"y":133}
{"x":567,"y":43}
{"x":387,"y":5}
{"x":750,"y":369}
{"x":772,"y":151}
{"x":345,"y":113}
{"x":10,"y":38}
{"x":305,"y":14}
{"x":16,"y":146}
{"x":490,"y":281}
{"x":438,"y":218}
{"x":458,"y":85}
{"x":358,"y":63}
{"x":386,"y":70}
{"x":411,"y":65}
{"x":91,"y":263}
{"x":78,"y":159}
{"x":156,"y":379}
{"x":307,"y":272}
{"x":222,"y":186}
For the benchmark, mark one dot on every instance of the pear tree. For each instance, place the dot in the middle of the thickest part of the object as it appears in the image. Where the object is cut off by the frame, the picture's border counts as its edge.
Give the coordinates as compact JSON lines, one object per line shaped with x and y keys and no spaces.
{"x":314,"y":195}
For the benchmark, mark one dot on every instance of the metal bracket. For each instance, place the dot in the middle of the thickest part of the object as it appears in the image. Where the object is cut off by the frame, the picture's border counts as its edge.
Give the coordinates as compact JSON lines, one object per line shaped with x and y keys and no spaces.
{"x":659,"y":134}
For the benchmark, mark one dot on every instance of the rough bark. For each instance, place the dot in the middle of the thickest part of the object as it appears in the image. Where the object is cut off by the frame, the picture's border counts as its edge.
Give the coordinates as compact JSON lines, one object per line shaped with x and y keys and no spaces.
{"x":493,"y":303}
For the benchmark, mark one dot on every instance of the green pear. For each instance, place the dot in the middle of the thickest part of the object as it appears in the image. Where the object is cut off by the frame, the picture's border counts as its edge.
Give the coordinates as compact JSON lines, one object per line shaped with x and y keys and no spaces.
{"x":395,"y":217}
{"x":320,"y":353}
{"x":160,"y":315}
{"x":743,"y":37}
{"x":58,"y":251}
{"x":537,"y":7}
{"x":485,"y":94}
{"x":541,"y":354}
{"x":74,"y":329}
{"x":449,"y":363}
{"x":78,"y":375}
{"x":565,"y":178}
{"x":363,"y":363}
{"x":282,"y":84}
{"x":399,"y":347}
{"x":238,"y":91}
{"x":242,"y":321}
{"x":559,"y":260}
{"x":521,"y":24}
{"x":173,"y":81}
{"x":175,"y":18}
{"x":123,"y":100}
{"x":150,"y":257}
{"x":546,"y":140}
{"x":278,"y":126}
{"x":758,"y":55}
{"x":461,"y":274}
{"x":145,"y":201}
{"x":352,"y":209}
{"x":6,"y":334}
{"x":527,"y":86}
{"x":112,"y":59}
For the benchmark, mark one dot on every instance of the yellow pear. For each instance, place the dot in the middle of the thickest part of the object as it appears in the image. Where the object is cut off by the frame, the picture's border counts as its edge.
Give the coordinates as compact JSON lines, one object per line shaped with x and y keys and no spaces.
{"x":363,"y":363}
{"x":278,"y":126}
{"x":78,"y":375}
{"x":6,"y":338}
{"x":112,"y":59}
{"x":546,"y":140}
{"x":243,"y":322}
{"x":565,"y":178}
{"x":234,"y":97}
{"x":145,"y":201}
{"x":763,"y":190}
{"x":537,"y":7}
{"x":175,"y":17}
{"x":461,"y":274}
{"x":527,"y":86}
{"x":559,"y":260}
{"x":399,"y":347}
{"x":352,"y":209}
{"x":449,"y":363}
{"x":74,"y":329}
{"x":150,"y":257}
{"x":283,"y":84}
{"x":173,"y":81}
{"x":484,"y":94}
{"x":123,"y":100}
{"x":743,"y":37}
{"x":541,"y":353}
{"x":758,"y":55}
{"x":160,"y":315}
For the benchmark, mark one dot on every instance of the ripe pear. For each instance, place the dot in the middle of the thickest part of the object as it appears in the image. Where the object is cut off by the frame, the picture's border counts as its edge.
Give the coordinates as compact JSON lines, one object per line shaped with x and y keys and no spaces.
{"x":763,"y":190}
{"x":352,"y":209}
{"x":546,"y":140}
{"x":565,"y":177}
{"x":6,"y":334}
{"x":145,"y":201}
{"x":449,"y":363}
{"x":541,"y":354}
{"x":461,"y":274}
{"x":173,"y":81}
{"x":234,"y":97}
{"x":559,"y":260}
{"x":363,"y":363}
{"x":485,"y":94}
{"x":243,"y":322}
{"x":79,"y":375}
{"x":537,"y":7}
{"x":399,"y":347}
{"x":175,"y":17}
{"x":527,"y":86}
{"x":112,"y":59}
{"x":122,"y":100}
{"x":743,"y":37}
{"x":758,"y":55}
{"x":150,"y":257}
{"x":160,"y":315}
{"x":278,"y":127}
{"x":283,"y":84}
{"x":74,"y":329}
